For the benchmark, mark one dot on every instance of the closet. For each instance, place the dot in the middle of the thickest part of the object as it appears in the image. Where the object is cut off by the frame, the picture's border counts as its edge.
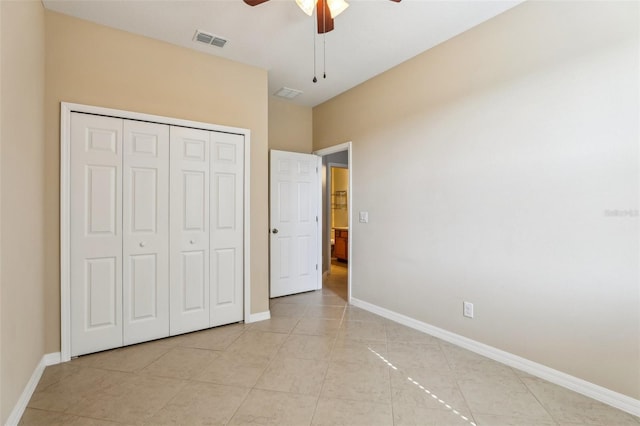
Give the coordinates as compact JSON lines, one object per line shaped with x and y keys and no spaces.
{"x":156,"y":230}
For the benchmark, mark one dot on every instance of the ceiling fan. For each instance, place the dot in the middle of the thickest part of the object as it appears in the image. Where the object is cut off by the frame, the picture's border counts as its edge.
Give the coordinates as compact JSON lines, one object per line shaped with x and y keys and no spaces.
{"x":327,"y":10}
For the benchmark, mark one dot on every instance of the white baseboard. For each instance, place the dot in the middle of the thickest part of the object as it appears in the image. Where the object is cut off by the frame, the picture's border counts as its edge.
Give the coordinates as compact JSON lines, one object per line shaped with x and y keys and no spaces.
{"x":52,"y":359}
{"x":260,"y":316}
{"x":21,"y":404}
{"x":599,"y":393}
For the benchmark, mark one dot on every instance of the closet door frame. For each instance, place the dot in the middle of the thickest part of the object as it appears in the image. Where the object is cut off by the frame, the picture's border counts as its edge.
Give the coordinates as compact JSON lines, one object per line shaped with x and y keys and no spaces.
{"x":66,"y":109}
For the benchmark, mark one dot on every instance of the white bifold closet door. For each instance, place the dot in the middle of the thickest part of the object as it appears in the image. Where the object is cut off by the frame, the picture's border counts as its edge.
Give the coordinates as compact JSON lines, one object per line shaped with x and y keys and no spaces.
{"x":227,"y":261}
{"x":189,"y":229}
{"x":145,"y":223}
{"x":206,"y":229}
{"x":157,"y":231}
{"x":119,"y":232}
{"x":96,"y":233}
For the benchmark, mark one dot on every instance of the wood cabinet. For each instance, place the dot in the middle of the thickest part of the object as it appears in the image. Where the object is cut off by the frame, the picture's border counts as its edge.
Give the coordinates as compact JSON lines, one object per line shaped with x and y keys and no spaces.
{"x":341,"y":248}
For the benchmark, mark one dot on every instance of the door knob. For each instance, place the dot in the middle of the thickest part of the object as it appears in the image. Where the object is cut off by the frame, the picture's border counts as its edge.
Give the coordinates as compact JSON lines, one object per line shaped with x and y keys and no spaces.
{"x":275,"y":230}
{"x":192,"y":241}
{"x":141,"y":243}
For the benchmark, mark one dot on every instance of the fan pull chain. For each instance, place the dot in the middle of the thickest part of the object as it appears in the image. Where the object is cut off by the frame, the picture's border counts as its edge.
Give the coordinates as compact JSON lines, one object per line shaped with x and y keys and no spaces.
{"x":324,"y":55}
{"x":324,"y":44}
{"x":315,"y":80}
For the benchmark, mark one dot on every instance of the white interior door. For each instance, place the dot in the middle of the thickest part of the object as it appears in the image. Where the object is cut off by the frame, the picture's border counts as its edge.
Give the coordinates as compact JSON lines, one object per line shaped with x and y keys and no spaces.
{"x":294,"y":213}
{"x":189,"y":229}
{"x":96,"y":233}
{"x":145,"y":190}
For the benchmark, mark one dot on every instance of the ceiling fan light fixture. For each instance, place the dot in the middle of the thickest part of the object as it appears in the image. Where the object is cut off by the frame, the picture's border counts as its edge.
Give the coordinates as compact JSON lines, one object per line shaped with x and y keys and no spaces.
{"x":306,"y":6}
{"x":336,"y":7}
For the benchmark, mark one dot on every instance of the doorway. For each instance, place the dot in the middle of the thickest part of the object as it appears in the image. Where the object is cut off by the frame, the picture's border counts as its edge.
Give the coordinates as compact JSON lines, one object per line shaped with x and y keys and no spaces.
{"x":337,"y":218}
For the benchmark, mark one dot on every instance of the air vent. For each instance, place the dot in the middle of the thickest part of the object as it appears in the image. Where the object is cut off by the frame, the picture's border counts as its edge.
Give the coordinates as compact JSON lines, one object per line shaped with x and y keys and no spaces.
{"x":219,"y":42}
{"x":210,"y":39}
{"x":287,"y":93}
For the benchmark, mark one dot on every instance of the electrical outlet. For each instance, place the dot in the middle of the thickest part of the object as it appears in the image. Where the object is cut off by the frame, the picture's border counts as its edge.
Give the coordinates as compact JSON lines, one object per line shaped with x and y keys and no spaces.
{"x":467,"y":309}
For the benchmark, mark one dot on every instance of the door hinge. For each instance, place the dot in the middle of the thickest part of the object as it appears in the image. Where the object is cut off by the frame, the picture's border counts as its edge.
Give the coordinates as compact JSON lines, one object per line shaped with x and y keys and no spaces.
{"x":317,"y":170}
{"x":316,"y":218}
{"x":316,"y":266}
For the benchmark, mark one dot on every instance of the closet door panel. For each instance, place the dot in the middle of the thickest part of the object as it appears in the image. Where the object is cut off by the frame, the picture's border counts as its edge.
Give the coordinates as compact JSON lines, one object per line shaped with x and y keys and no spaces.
{"x":193,"y":281}
{"x":145,"y":231}
{"x":96,"y":233}
{"x":189,"y":228}
{"x":143,"y":293}
{"x":227,"y":183}
{"x":101,"y":292}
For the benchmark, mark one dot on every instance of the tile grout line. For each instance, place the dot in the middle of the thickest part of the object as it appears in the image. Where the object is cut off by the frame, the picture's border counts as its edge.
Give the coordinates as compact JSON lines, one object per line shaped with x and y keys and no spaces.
{"x":324,"y":377}
{"x":244,"y":398}
{"x":386,"y":346}
{"x":330,"y":360}
{"x":253,"y":387}
{"x":458,"y":387}
{"x":544,"y":407}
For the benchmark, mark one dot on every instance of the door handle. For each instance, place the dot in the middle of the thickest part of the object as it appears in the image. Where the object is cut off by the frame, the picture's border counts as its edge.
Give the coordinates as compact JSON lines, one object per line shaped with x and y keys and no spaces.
{"x":192,"y":241}
{"x":141,"y":243}
{"x":275,"y":230}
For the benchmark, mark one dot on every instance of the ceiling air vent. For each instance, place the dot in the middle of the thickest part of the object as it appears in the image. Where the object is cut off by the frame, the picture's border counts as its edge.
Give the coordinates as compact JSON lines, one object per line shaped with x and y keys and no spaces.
{"x":210,"y":39}
{"x":287,"y":93}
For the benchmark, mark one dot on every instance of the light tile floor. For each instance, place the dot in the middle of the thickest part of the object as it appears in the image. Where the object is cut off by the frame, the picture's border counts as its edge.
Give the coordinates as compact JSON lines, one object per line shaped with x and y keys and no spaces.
{"x":317,"y":361}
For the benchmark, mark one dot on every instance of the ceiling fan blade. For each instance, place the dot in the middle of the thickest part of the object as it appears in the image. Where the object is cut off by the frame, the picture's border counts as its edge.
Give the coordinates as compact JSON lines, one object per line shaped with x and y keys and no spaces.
{"x":325,"y":21}
{"x":256,"y":2}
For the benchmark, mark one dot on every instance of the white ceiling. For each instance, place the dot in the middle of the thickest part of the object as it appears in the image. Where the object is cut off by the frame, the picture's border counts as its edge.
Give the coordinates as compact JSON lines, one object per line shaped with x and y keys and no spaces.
{"x":370,"y":37}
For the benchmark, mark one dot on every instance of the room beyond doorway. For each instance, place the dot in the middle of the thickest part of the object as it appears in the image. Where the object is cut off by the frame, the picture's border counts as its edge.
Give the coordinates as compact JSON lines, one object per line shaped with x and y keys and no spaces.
{"x":337,"y":211}
{"x":340,"y":156}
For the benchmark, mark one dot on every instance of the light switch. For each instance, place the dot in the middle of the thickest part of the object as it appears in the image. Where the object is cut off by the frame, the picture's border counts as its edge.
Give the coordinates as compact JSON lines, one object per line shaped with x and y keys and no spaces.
{"x":364,"y":217}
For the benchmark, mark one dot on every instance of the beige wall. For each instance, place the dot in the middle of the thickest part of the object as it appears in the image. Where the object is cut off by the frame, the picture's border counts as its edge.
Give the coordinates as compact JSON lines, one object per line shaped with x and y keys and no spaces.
{"x":91,"y":64}
{"x":495,"y":160}
{"x":290,"y":126}
{"x":22,"y":210}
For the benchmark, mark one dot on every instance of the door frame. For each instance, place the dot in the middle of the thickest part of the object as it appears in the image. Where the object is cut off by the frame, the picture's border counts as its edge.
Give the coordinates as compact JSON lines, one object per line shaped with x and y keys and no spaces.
{"x":66,"y":109}
{"x":346,"y":146}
